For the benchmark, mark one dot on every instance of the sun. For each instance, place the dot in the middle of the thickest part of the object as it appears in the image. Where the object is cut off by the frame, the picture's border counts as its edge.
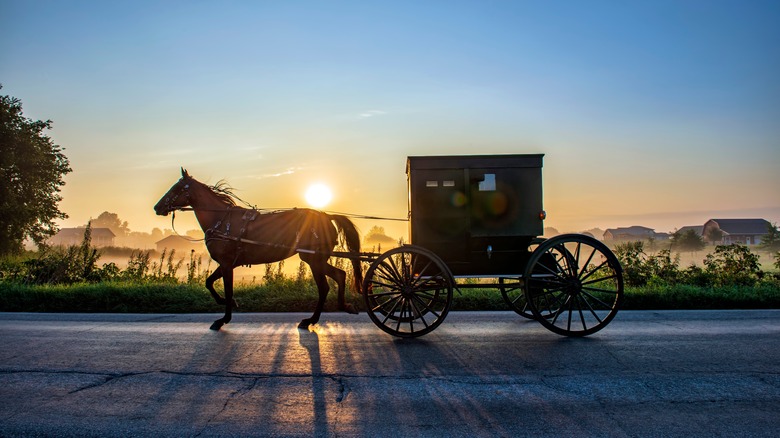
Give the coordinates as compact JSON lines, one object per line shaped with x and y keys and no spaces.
{"x":318,"y":195}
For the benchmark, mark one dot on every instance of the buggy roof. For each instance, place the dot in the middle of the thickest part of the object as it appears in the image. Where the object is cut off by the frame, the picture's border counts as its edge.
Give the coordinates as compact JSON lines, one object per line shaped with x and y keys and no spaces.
{"x":473,"y":161}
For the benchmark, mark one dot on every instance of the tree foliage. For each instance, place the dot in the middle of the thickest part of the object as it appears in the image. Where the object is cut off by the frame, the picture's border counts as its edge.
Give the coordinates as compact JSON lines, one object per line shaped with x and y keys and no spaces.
{"x":112,"y":222}
{"x":31,"y":171}
{"x":714,"y":235}
{"x":377,"y":235}
{"x":639,"y":268}
{"x":687,"y":241}
{"x":733,"y":264}
{"x":770,"y":242}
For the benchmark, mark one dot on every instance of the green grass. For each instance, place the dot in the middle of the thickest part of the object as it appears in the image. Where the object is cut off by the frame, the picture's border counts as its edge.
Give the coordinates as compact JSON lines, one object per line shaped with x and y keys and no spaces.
{"x":687,"y":297}
{"x":289,"y":296}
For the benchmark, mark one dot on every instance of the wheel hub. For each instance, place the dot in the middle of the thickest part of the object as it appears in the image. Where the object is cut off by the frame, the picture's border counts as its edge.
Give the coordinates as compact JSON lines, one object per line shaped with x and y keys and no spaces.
{"x":573,"y":286}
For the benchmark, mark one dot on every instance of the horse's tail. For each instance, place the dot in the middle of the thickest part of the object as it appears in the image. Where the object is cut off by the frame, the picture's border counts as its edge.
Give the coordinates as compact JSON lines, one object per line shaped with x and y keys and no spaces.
{"x":352,"y":239}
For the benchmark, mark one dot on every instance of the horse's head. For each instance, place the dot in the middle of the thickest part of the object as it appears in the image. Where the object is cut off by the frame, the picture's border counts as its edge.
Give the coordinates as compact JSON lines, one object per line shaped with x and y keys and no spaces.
{"x":177,"y":197}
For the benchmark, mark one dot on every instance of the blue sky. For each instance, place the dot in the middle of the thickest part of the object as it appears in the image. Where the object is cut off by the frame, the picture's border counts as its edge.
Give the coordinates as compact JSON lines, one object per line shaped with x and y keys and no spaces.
{"x":661,"y":114}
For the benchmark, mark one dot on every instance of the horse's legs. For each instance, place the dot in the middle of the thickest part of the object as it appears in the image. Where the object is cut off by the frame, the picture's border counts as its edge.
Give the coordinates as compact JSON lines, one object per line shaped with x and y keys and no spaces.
{"x":216,"y":275}
{"x":340,"y":277}
{"x":227,"y":279}
{"x":322,"y":287}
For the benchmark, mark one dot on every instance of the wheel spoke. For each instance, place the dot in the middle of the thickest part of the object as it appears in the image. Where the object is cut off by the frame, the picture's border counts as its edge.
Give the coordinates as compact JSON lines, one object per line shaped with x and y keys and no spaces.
{"x":596,"y":289}
{"x":586,"y":264}
{"x":390,"y":267}
{"x":421,"y":275}
{"x":547,"y":280}
{"x":389,"y":273}
{"x":560,"y":309}
{"x":384,"y":294}
{"x":426,"y":307}
{"x":383,"y":305}
{"x":574,"y":268}
{"x":594,"y":270}
{"x":421,"y":315}
{"x":606,"y":306}
{"x":592,"y":311}
{"x":582,"y":317}
{"x":600,"y":279}
{"x":401,"y":315}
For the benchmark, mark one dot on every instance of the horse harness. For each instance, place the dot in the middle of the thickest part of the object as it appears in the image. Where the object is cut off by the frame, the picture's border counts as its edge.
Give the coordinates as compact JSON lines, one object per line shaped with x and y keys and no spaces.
{"x":216,"y":233}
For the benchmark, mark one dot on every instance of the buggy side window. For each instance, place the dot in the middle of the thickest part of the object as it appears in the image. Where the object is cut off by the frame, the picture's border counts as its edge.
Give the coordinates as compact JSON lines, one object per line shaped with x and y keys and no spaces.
{"x":489,"y":183}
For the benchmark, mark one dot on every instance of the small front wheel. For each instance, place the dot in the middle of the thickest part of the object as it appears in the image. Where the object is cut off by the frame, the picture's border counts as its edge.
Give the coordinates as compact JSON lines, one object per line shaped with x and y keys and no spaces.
{"x":408,"y":291}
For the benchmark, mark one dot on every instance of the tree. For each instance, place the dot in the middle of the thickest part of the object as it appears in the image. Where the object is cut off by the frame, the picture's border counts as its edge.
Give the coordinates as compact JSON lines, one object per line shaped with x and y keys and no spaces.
{"x":112,"y":222}
{"x":770,"y":242}
{"x":714,"y":235}
{"x":687,"y":241}
{"x":376,"y":235}
{"x":31,"y":171}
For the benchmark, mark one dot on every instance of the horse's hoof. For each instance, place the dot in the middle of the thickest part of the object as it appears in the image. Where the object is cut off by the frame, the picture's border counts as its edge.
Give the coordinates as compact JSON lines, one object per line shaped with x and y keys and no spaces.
{"x":349,"y":308}
{"x":304,"y":324}
{"x":217,"y":325}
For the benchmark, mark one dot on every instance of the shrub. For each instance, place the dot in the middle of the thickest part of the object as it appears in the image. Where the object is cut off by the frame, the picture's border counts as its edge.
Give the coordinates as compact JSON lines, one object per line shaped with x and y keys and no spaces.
{"x":639,"y":268}
{"x":733,"y":265}
{"x":632,"y":257}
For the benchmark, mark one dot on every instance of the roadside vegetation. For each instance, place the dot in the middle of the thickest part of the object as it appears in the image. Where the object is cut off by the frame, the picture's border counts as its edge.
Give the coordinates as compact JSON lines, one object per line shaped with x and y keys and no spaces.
{"x":57,"y":279}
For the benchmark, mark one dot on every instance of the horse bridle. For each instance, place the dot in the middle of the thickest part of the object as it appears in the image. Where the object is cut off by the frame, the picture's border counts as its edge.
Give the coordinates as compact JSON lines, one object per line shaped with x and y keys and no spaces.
{"x":185,"y":190}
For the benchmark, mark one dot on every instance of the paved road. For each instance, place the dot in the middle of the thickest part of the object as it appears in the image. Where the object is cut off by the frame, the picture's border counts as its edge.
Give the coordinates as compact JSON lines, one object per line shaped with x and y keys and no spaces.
{"x":671,"y":373}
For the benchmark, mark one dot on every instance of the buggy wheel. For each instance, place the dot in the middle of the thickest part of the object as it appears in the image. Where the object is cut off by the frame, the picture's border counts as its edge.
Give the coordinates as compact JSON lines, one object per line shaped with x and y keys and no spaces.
{"x":408,"y":291}
{"x":513,"y":291}
{"x":573,"y":285}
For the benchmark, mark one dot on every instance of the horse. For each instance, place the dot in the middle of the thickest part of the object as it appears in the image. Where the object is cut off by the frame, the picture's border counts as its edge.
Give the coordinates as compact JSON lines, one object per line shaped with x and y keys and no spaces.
{"x":237,"y":236}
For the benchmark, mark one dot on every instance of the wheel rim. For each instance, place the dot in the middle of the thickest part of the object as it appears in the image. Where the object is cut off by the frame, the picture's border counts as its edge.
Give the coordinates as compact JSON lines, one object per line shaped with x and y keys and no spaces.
{"x":574,"y":285}
{"x":407,"y":292}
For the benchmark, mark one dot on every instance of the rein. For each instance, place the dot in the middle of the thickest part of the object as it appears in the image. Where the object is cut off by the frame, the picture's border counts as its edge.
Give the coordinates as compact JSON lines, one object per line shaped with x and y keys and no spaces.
{"x":187,"y":238}
{"x":271,"y":210}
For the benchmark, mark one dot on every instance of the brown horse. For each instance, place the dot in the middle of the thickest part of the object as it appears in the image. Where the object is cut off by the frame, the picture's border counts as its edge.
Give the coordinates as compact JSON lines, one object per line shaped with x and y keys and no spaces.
{"x":237,"y":236}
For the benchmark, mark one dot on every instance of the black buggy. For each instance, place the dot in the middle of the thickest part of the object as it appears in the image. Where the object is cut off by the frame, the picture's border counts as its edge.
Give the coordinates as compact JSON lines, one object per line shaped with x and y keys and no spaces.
{"x":479,"y":218}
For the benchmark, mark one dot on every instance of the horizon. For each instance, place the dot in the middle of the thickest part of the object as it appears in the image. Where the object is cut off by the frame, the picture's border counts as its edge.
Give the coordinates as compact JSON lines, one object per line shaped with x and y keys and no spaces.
{"x":659,"y":114}
{"x":387,"y":223}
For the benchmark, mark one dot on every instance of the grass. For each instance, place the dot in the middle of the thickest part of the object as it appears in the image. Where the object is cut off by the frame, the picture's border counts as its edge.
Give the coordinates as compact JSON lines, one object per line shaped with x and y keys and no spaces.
{"x":291,"y":296}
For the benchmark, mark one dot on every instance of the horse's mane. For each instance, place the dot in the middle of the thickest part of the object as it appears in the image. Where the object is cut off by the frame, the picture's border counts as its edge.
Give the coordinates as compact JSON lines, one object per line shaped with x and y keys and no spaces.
{"x":223,"y":191}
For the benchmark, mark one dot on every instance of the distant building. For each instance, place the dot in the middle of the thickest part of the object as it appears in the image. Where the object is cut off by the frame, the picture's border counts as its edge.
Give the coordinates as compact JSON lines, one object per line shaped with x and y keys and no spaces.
{"x":744,"y":231}
{"x":74,"y":236}
{"x":633,"y":233}
{"x":182,"y":245}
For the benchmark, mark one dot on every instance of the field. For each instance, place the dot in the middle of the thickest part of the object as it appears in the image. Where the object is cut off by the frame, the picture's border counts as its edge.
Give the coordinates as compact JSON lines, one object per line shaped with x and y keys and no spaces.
{"x":70,"y":280}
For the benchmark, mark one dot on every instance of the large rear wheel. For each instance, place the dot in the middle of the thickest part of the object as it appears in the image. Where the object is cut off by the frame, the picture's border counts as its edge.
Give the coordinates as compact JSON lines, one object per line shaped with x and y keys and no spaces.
{"x":573,"y":285}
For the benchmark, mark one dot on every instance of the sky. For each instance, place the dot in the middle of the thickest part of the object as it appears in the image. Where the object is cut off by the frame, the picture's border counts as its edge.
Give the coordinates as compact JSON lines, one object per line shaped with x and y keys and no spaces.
{"x":662,"y":113}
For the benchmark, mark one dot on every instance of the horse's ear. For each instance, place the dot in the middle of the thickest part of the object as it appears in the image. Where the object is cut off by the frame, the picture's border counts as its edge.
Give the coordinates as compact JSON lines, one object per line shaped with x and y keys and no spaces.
{"x":184,"y":173}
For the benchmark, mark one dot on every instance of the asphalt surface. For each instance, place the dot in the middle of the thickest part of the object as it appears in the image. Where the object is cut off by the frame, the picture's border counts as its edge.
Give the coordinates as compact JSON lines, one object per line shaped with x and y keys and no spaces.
{"x":666,"y":373}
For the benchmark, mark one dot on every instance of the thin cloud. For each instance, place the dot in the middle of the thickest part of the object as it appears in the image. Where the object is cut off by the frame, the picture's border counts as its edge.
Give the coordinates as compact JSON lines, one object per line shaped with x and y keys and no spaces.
{"x":288,"y":171}
{"x":371,"y":113}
